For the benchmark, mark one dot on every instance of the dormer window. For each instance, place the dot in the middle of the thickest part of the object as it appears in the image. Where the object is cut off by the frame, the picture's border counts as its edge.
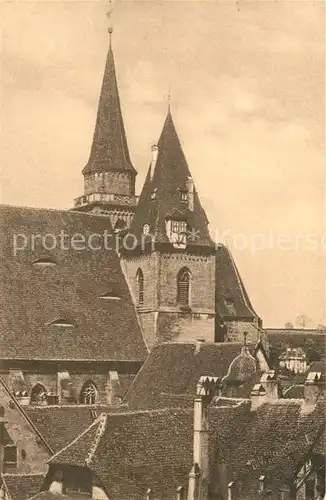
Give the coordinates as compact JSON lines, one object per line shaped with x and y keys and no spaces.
{"x":60,"y":322}
{"x":183,"y":195}
{"x":146,"y":229}
{"x":153,"y":195}
{"x":110,"y":296}
{"x":177,"y":233}
{"x":44,"y":262}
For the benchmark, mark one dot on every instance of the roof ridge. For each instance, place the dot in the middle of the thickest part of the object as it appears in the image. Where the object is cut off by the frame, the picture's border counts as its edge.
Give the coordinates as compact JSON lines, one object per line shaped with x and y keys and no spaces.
{"x":99,"y":433}
{"x":49,"y":209}
{"x":93,"y":424}
{"x":241,"y":286}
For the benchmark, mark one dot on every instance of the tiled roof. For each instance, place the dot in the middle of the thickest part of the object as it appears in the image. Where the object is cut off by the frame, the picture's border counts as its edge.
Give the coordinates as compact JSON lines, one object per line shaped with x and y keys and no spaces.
{"x":294,"y":392}
{"x":32,"y":296}
{"x":232,"y":300}
{"x":109,"y":148}
{"x":47,"y":495}
{"x":317,"y":366}
{"x":175,"y":368}
{"x":59,"y":425}
{"x":275,"y":440}
{"x":131,"y":452}
{"x":170,"y":175}
{"x":22,"y":486}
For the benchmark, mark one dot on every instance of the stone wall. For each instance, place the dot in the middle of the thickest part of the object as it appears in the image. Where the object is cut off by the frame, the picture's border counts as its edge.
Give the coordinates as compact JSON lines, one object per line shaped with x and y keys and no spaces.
{"x":236,"y":330}
{"x":32,"y":454}
{"x":110,"y":182}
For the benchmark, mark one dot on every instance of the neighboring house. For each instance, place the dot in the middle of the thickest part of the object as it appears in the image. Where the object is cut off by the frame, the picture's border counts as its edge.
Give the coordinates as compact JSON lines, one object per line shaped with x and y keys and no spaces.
{"x":312,"y":342}
{"x":293,"y":360}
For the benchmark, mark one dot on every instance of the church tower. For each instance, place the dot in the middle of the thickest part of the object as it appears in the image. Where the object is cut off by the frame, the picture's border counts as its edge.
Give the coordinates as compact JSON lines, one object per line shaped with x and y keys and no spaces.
{"x":109,"y":176}
{"x":169,"y":259}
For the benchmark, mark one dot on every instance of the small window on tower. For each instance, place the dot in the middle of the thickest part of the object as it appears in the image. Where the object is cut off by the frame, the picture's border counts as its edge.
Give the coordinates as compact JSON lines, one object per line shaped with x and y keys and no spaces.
{"x":177,"y":233}
{"x":146,"y":229}
{"x":153,"y":195}
{"x":184,"y":196}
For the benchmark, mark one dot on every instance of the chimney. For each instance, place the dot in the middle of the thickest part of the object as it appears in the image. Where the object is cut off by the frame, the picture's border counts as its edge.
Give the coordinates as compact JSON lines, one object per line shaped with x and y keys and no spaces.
{"x":231,"y":491}
{"x":190,"y":189}
{"x":262,"y":484}
{"x":270,"y":383}
{"x":313,"y":386}
{"x":198,"y":477}
{"x":149,"y":494}
{"x":258,"y":396}
{"x":154,"y":151}
{"x":180,"y":493}
{"x":199,"y":344}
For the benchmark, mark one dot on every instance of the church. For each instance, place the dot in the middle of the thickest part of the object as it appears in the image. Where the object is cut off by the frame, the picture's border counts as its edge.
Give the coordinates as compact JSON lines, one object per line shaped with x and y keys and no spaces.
{"x":132,"y":362}
{"x":181,"y":281}
{"x":69,"y":312}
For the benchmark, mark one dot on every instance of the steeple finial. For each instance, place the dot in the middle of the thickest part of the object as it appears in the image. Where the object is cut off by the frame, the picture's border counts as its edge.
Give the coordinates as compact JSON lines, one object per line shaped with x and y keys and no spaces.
{"x":169,"y":98}
{"x":108,"y":15}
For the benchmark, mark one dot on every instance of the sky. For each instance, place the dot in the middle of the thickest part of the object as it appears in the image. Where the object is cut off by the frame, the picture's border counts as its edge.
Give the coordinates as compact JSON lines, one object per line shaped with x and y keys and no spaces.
{"x":247,"y":96}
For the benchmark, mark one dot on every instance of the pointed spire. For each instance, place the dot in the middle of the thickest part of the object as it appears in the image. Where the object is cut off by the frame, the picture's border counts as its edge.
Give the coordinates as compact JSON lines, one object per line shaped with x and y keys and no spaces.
{"x":109,"y":148}
{"x":167,"y":193}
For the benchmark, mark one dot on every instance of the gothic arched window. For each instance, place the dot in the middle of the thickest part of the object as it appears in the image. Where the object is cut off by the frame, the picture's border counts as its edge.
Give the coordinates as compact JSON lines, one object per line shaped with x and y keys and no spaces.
{"x":38,"y":395}
{"x":183,"y":287}
{"x":140,"y":283}
{"x":88,"y":394}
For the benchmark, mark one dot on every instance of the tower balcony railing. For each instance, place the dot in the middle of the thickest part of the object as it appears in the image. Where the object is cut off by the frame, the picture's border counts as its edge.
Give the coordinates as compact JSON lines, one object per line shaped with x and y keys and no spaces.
{"x":114,"y":199}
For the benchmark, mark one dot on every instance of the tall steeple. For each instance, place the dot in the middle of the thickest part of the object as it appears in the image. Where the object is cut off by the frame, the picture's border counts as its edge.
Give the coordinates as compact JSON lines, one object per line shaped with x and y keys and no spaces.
{"x":171,"y":267}
{"x":109,"y":148}
{"x":169,"y":196}
{"x":109,"y":176}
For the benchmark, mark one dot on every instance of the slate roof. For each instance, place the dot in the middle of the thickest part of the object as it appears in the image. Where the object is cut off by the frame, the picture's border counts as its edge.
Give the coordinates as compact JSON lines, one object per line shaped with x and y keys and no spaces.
{"x":232,"y":300}
{"x":109,"y":148}
{"x":59,"y":425}
{"x":22,"y":486}
{"x":169,"y":177}
{"x":130,"y":452}
{"x":175,"y":368}
{"x":34,"y":295}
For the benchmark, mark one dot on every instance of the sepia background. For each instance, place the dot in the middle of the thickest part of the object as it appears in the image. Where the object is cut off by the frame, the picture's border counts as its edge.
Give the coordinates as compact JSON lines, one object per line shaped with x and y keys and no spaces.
{"x":247,"y":95}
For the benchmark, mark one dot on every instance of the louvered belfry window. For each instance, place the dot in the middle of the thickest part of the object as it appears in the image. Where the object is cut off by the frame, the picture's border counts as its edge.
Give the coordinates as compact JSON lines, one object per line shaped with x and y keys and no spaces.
{"x":183,"y":286}
{"x":140,"y":281}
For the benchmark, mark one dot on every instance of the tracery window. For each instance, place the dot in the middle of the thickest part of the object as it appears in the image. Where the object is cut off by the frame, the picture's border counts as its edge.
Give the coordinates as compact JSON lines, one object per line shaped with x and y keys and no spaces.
{"x":88,"y":394}
{"x":38,"y":395}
